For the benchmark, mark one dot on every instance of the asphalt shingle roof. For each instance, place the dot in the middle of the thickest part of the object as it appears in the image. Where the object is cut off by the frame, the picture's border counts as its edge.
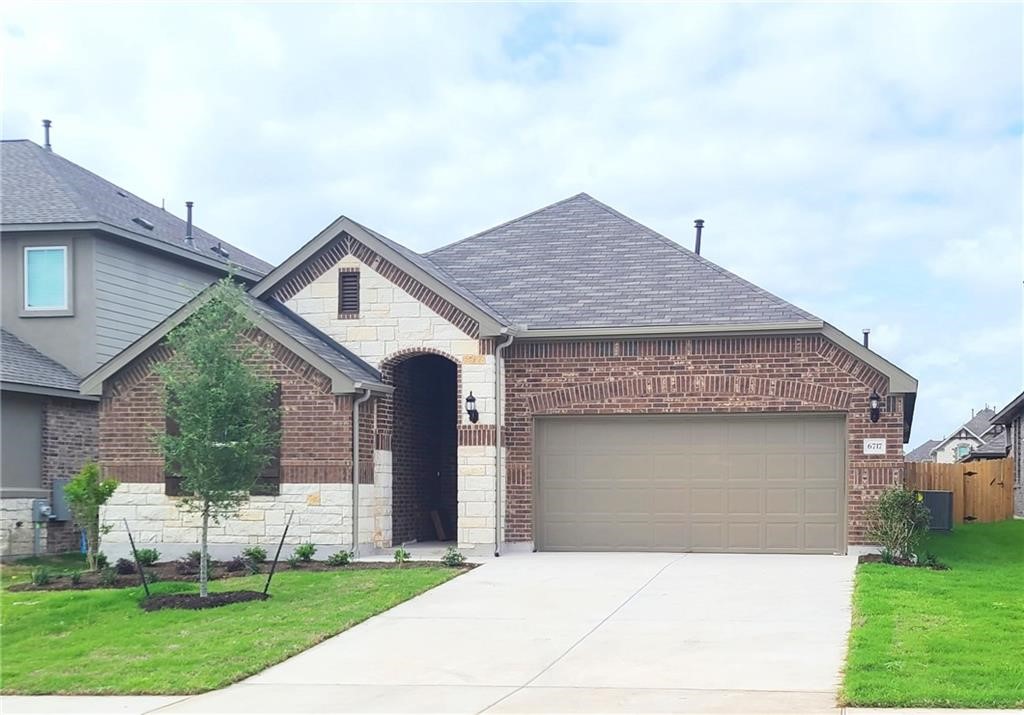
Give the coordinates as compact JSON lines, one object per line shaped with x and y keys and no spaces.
{"x":995,"y":445}
{"x":313,"y":339}
{"x":579,"y":263}
{"x":981,"y":421}
{"x":41,"y":187}
{"x":922,"y":453}
{"x":23,"y":364}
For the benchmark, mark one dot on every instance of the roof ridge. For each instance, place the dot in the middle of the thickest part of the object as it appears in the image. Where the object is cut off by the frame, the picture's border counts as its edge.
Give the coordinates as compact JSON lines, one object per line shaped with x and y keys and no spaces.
{"x":581,"y":195}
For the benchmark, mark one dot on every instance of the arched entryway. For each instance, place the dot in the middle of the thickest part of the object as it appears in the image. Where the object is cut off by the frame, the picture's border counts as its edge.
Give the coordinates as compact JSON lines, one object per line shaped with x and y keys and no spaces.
{"x":424,"y":487}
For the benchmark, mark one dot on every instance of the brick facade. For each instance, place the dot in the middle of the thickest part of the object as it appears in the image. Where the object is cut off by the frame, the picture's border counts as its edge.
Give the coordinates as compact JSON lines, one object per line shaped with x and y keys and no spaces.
{"x":805,"y":373}
{"x":69,"y":440}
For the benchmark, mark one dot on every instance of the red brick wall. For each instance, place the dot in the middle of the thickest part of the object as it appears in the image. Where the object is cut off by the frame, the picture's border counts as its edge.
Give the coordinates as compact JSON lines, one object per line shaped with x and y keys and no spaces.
{"x":69,"y":440}
{"x":316,"y":426}
{"x":696,"y":375}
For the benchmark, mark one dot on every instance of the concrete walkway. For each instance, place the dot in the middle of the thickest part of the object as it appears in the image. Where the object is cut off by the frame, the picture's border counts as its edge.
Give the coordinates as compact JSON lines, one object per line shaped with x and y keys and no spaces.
{"x":575,"y":633}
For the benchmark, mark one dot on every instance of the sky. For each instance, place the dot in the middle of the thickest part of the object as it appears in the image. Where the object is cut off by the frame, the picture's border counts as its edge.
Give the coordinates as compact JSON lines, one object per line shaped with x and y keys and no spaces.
{"x":864,"y":162}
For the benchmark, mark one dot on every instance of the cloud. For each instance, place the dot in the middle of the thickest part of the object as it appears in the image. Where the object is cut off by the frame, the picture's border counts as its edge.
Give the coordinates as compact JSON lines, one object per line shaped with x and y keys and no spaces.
{"x":862,"y":161}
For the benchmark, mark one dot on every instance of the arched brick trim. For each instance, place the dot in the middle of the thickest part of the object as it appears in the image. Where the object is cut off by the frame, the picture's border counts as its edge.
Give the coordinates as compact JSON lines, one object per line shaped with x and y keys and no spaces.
{"x":385,"y":419}
{"x":343,"y":245}
{"x":691,"y":384}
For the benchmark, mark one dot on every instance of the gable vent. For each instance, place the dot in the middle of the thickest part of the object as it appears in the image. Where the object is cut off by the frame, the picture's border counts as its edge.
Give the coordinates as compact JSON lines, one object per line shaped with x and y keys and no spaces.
{"x":348,"y":293}
{"x":143,"y":222}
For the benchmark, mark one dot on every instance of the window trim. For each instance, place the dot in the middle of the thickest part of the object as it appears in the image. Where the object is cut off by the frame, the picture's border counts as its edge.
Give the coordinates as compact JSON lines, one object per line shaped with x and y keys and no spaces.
{"x":25,"y":310}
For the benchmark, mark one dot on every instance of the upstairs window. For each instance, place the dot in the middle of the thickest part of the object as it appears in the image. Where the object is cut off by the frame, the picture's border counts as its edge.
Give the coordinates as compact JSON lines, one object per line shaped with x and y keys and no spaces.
{"x":348,"y":293}
{"x":46,"y":278}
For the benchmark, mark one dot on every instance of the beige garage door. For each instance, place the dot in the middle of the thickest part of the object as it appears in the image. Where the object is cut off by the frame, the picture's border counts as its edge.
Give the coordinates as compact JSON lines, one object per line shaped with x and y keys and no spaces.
{"x":760,"y":483}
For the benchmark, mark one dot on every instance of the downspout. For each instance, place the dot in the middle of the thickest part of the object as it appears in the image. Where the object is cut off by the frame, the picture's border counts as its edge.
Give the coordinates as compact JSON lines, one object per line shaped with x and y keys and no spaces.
{"x":355,"y":467}
{"x":498,"y":387}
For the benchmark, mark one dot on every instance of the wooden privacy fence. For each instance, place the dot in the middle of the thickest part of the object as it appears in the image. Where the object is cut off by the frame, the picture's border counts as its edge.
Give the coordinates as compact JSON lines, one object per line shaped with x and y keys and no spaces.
{"x":982,"y":491}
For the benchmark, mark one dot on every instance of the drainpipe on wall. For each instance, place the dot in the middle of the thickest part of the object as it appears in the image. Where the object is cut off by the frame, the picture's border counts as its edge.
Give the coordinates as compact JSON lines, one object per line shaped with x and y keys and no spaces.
{"x":498,"y":387}
{"x":355,"y":466}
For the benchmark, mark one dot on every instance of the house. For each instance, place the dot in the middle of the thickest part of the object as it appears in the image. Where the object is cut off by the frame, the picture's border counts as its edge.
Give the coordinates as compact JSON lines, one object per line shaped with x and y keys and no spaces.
{"x":1011,"y":418}
{"x":995,"y":446}
{"x":87,"y":268}
{"x":970,"y":435}
{"x":648,"y":400}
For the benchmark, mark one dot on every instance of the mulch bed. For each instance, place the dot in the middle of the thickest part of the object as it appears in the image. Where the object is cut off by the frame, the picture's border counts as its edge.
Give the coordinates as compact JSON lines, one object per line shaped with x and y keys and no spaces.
{"x":877,"y":559}
{"x":194,"y":602}
{"x":168,"y":571}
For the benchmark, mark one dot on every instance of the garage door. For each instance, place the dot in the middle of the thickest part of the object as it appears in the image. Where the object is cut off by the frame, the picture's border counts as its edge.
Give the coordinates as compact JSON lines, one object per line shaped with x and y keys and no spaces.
{"x":731,"y":483}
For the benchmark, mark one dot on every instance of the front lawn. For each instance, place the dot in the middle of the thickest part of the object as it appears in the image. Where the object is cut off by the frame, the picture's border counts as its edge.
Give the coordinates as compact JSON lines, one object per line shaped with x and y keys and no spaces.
{"x":101,"y":642}
{"x":924,"y":638}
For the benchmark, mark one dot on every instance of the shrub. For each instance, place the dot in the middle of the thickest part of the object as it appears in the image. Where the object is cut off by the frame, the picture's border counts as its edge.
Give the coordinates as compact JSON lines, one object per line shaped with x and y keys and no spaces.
{"x":147,"y":557}
{"x":293,"y":561}
{"x":931,"y":561}
{"x":76,"y":578}
{"x":108,"y":577}
{"x":256,"y":554}
{"x":342,"y":558}
{"x":102,"y":561}
{"x":235,"y":564}
{"x":898,"y":521}
{"x":86,"y":492}
{"x":453,"y":557}
{"x":254,"y":567}
{"x":125,"y":567}
{"x":152,"y":576}
{"x":41,"y":576}
{"x":305,"y":551}
{"x":401,"y":555}
{"x":186,"y":567}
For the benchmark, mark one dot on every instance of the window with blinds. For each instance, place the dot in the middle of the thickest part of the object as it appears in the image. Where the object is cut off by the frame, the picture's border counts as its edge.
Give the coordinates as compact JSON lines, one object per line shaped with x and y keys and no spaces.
{"x":348,"y":293}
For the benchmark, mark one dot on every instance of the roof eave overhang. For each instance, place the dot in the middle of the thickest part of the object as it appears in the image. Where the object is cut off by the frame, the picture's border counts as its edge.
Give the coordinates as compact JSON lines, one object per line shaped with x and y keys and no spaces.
{"x":148,"y":241}
{"x":1009,"y":413}
{"x":45,"y":391}
{"x":341,"y":383}
{"x":489,"y":324}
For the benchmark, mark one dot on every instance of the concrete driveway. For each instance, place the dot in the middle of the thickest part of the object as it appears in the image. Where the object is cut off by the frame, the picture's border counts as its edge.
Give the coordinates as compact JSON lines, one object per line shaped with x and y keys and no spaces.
{"x":582,"y":633}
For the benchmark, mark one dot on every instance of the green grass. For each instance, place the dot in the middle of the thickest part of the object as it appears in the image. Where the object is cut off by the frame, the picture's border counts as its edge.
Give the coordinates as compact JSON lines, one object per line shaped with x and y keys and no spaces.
{"x":924,"y":638}
{"x":101,"y":642}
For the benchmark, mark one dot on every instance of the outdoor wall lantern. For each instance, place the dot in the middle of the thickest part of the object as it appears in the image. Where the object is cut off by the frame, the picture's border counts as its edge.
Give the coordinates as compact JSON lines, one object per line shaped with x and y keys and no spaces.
{"x":474,"y":416}
{"x":875,"y":403}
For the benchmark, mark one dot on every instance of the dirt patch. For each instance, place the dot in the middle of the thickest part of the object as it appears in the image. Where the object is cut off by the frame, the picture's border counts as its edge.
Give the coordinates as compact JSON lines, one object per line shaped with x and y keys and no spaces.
{"x":193,"y":601}
{"x":930,"y":563}
{"x":170,"y":571}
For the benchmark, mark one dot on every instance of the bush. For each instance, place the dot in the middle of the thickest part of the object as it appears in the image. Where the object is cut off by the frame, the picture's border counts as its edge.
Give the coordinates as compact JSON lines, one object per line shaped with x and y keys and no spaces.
{"x":102,"y":561}
{"x":305,"y":551}
{"x":453,"y":557}
{"x":236,"y":564}
{"x":41,"y":576}
{"x":931,"y":561}
{"x":342,"y":558}
{"x":125,"y":567}
{"x":254,"y":567}
{"x":108,"y":577}
{"x":152,"y":576}
{"x":898,"y":521}
{"x":76,"y":578}
{"x":147,"y":557}
{"x":293,"y":561}
{"x":186,"y":567}
{"x":256,"y":554}
{"x":401,"y":555}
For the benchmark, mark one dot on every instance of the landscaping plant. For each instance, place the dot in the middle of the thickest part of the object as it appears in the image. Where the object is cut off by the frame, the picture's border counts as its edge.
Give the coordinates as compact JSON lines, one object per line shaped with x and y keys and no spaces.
{"x":86,"y":492}
{"x":147,"y":557}
{"x":256,"y":554}
{"x":293,"y":561}
{"x":41,"y":576}
{"x":76,"y":578}
{"x":108,"y":577}
{"x":401,"y":556}
{"x":453,"y":557}
{"x":235,"y":564}
{"x":226,"y":429}
{"x":305,"y":552}
{"x":125,"y":567}
{"x":341,"y":558}
{"x":898,"y":521}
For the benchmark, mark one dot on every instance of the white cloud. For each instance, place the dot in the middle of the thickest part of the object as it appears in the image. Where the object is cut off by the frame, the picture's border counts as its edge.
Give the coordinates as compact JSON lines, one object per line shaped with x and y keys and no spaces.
{"x":862,"y":161}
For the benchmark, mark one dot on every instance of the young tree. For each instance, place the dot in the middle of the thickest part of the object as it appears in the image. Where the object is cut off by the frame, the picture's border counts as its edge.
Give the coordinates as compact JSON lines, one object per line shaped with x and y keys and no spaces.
{"x":226,"y":428}
{"x":86,"y":493}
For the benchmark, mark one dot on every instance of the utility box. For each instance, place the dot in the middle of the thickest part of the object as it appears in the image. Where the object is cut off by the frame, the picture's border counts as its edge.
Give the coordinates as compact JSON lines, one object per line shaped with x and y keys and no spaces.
{"x":61,"y":508}
{"x":940,"y":504}
{"x":41,"y":511}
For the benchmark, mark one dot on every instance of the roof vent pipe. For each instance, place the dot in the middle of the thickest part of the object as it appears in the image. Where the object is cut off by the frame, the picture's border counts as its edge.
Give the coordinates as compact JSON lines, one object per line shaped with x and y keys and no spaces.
{"x":699,"y":223}
{"x":189,"y":241}
{"x":867,"y":332}
{"x":46,"y":135}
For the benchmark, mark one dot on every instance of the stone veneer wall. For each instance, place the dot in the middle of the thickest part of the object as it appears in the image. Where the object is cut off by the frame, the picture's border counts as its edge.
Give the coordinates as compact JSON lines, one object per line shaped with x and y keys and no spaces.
{"x":16,"y":529}
{"x":805,"y":373}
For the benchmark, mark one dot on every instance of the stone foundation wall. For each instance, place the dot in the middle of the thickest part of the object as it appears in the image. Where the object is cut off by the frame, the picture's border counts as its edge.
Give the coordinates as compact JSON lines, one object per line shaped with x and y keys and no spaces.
{"x":16,"y":535}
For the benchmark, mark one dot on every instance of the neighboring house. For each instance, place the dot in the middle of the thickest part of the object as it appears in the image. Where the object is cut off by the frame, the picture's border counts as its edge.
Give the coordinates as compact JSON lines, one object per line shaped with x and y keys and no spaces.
{"x":648,"y":400}
{"x":995,"y":446}
{"x":1012,"y":418}
{"x":87,"y":268}
{"x":959,"y":444}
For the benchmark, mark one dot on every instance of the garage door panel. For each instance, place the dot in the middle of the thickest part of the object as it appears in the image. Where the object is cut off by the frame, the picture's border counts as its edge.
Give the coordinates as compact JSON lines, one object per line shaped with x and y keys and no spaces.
{"x":710,"y":483}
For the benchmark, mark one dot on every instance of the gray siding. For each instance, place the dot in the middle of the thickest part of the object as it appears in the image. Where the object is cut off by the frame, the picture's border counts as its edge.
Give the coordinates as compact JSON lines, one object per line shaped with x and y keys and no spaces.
{"x":21,"y":434}
{"x":135,"y":290}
